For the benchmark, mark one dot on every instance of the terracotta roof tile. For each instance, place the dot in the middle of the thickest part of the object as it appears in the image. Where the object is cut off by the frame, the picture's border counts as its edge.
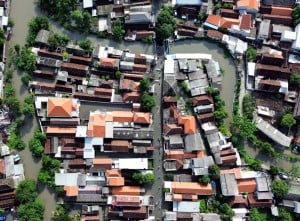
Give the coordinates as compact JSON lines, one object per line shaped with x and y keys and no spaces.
{"x":113,"y":173}
{"x":245,"y":22}
{"x":247,"y":185}
{"x":107,"y":62}
{"x":191,"y":188}
{"x":61,"y":130}
{"x":116,"y":181}
{"x":122,"y":116}
{"x":71,"y":190}
{"x":2,"y":166}
{"x":141,"y":117}
{"x":60,"y":107}
{"x":281,"y":11}
{"x":189,"y":124}
{"x":126,"y":190}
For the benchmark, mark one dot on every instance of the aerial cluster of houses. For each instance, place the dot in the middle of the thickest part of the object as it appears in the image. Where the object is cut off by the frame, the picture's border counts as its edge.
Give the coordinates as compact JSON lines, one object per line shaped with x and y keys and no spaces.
{"x":138,"y":18}
{"x":11,"y":174}
{"x":94,"y":125}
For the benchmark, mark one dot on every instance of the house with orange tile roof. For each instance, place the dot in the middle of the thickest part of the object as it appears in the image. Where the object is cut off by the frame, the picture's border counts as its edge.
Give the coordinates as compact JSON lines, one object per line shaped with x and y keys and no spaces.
{"x":109,"y":63}
{"x":189,"y":188}
{"x":122,"y":116}
{"x":250,"y":6}
{"x":127,"y":190}
{"x":100,"y":124}
{"x":246,"y":185}
{"x":113,"y":173}
{"x":56,"y":131}
{"x":59,"y":107}
{"x":101,"y":164}
{"x":71,"y":190}
{"x":215,"y":22}
{"x":142,"y":118}
{"x":115,"y":181}
{"x":189,"y":124}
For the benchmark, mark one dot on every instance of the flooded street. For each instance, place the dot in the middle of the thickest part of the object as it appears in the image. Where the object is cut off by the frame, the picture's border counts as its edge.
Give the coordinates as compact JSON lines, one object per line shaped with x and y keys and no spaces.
{"x":229,"y":77}
{"x":21,"y":13}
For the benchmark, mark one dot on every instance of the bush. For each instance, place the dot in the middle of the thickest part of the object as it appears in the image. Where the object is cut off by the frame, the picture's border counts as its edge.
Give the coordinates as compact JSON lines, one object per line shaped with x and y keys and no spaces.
{"x":26,"y":78}
{"x":144,"y":179}
{"x":31,"y":211}
{"x":204,"y":180}
{"x":26,"y":191}
{"x":147,"y":40}
{"x":147,"y":102}
{"x":169,"y":176}
{"x":203,"y":207}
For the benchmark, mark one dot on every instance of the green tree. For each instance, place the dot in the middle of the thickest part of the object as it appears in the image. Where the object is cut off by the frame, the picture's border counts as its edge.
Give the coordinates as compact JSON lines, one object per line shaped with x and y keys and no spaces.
{"x":77,"y":17}
{"x":251,"y":53}
{"x":296,"y":15}
{"x":220,"y":114}
{"x":288,"y":120}
{"x":204,"y":180}
{"x":27,"y":60}
{"x":2,"y":37}
{"x":15,"y":140}
{"x":280,"y":188}
{"x":295,"y":78}
{"x":145,"y":85}
{"x":33,"y":211}
{"x":243,"y":126}
{"x":166,"y":24}
{"x":147,"y":102}
{"x":49,"y":168}
{"x":274,"y":170}
{"x":255,"y":215}
{"x":226,"y":212}
{"x":26,"y":191}
{"x":61,"y":214}
{"x":26,"y":78}
{"x":28,"y":110}
{"x":86,"y":21}
{"x":86,"y":45}
{"x":144,"y":179}
{"x":35,"y":25}
{"x":214,"y":171}
{"x":285,"y":215}
{"x":248,"y":106}
{"x":118,"y":74}
{"x":118,"y":30}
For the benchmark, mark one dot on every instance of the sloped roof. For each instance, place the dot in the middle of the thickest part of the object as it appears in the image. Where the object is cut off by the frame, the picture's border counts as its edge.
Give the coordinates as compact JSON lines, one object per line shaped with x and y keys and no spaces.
{"x":108,"y":62}
{"x":113,"y":173}
{"x":141,"y":117}
{"x":122,"y":116}
{"x":250,"y":4}
{"x":60,"y":107}
{"x":219,"y":21}
{"x":71,"y":190}
{"x":245,"y":22}
{"x":189,"y":124}
{"x":191,"y":188}
{"x":116,"y":181}
{"x":246,"y":185}
{"x":126,"y":190}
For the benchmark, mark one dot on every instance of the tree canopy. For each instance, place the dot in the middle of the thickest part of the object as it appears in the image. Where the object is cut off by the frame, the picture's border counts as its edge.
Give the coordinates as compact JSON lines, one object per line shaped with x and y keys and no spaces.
{"x":288,"y":120}
{"x":144,"y":179}
{"x":118,"y":30}
{"x":251,"y":54}
{"x":35,"y":25}
{"x":255,"y":215}
{"x":147,"y":102}
{"x":214,"y":171}
{"x":33,"y":211}
{"x":26,"y":191}
{"x":86,"y":45}
{"x":166,"y":24}
{"x":296,"y":15}
{"x":36,"y":144}
{"x":226,"y":212}
{"x":204,"y":180}
{"x":144,"y":85}
{"x":280,"y":188}
{"x":295,"y":79}
{"x":2,"y":37}
{"x":284,"y":215}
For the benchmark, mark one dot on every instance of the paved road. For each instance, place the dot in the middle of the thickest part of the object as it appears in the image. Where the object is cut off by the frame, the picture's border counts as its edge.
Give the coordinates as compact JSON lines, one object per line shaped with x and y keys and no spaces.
{"x":157,"y":142}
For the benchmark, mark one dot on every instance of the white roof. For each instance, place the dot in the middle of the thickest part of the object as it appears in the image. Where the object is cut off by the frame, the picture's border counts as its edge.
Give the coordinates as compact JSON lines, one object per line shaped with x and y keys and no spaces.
{"x":102,"y":24}
{"x":186,"y":206}
{"x":288,"y":35}
{"x":294,"y":59}
{"x":81,"y":131}
{"x":241,"y":46}
{"x":168,"y":184}
{"x":251,"y":68}
{"x":19,"y":169}
{"x":109,"y":126}
{"x":189,"y":56}
{"x":4,"y":20}
{"x":87,"y":3}
{"x":169,"y":67}
{"x":94,"y":12}
{"x":66,"y":179}
{"x":133,"y":163}
{"x":1,"y":11}
{"x":296,"y":43}
{"x":272,"y":132}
